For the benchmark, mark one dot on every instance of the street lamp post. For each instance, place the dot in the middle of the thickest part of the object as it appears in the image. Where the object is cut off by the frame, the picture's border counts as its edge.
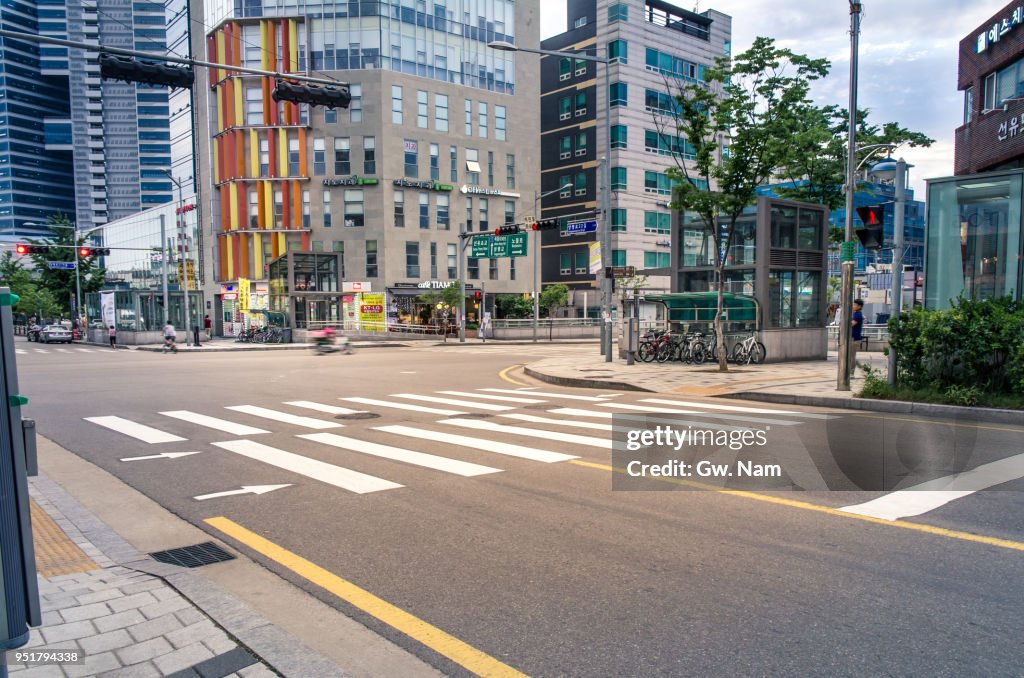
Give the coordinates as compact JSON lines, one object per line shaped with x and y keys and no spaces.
{"x":605,"y":180}
{"x":537,"y":197}
{"x":183,"y":243}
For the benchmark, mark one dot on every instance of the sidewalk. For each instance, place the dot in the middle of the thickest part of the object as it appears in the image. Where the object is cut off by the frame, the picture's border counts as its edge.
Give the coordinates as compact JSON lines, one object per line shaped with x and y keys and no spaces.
{"x":810,"y":383}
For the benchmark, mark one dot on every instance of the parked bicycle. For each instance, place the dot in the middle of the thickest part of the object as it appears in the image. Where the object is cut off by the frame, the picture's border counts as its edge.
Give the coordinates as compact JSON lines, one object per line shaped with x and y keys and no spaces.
{"x":750,"y":350}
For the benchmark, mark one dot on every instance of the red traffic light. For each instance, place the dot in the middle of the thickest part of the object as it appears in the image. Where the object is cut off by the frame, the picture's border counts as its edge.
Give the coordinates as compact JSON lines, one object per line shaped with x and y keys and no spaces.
{"x":84,"y":252}
{"x":21,"y":249}
{"x":873,"y":215}
{"x":508,"y":230}
{"x":545,"y":225}
{"x":478,"y":295}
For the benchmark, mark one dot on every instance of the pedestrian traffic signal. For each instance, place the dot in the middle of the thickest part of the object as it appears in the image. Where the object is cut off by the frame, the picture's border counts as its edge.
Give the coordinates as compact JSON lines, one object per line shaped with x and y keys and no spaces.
{"x":871,"y":235}
{"x":508,"y":230}
{"x":545,"y":225}
{"x":31,"y":249}
{"x":314,"y":95}
{"x":146,"y":72}
{"x":84,"y":252}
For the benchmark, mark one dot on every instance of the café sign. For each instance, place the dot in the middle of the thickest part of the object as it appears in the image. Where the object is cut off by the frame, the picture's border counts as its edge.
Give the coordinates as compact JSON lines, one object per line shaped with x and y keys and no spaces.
{"x":428,"y":185}
{"x":1000,"y":28}
{"x":352,"y":181}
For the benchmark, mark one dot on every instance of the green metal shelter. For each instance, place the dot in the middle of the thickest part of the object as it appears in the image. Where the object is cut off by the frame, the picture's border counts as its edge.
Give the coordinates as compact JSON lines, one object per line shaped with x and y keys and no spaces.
{"x":700,"y":307}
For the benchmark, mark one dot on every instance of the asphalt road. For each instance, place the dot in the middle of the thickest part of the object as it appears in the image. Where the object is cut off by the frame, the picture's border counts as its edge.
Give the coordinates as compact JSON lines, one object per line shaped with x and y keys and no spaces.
{"x":539,"y":564}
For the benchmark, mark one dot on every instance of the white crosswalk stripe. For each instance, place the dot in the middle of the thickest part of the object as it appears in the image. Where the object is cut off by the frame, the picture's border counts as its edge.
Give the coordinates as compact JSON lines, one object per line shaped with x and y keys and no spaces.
{"x":346,"y":479}
{"x":730,"y":417}
{"x":213,"y":422}
{"x":431,"y":461}
{"x":593,"y":426}
{"x":566,"y":396}
{"x":321,"y":407}
{"x":285,"y":417}
{"x":146,"y":434}
{"x":484,"y":444}
{"x":490,"y":407}
{"x":504,"y":399}
{"x":40,"y":350}
{"x":18,"y":350}
{"x":530,"y":432}
{"x":85,"y":350}
{"x":574,"y":412}
{"x":734,"y":408}
{"x":403,"y":406}
{"x":62,"y":350}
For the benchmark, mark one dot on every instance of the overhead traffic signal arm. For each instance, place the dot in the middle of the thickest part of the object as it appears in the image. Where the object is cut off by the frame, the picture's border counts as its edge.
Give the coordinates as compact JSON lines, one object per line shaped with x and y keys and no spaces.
{"x":314,"y":95}
{"x":114,"y":67}
{"x":31,"y":249}
{"x":510,"y":229}
{"x":545,"y":225}
{"x":85,"y":252}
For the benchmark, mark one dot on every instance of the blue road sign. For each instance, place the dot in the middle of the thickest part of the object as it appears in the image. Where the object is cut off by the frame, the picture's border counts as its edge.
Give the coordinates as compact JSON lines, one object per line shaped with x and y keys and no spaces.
{"x":70,"y":265}
{"x":576,"y":227}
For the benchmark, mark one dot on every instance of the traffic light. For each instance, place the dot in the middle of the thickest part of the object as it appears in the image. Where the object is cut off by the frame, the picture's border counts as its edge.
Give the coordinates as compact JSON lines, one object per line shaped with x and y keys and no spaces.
{"x":545,"y":225}
{"x":871,"y":235}
{"x":315,"y":95}
{"x":148,"y":73}
{"x":508,"y":230}
{"x":93,"y":252}
{"x":478,"y":295}
{"x":31,"y":249}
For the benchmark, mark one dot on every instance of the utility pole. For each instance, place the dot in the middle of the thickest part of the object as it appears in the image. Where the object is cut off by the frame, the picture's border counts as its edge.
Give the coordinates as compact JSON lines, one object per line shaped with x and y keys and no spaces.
{"x":897,"y":255}
{"x":164,"y":257}
{"x":849,"y":247}
{"x":183,"y":245}
{"x":462,"y":284}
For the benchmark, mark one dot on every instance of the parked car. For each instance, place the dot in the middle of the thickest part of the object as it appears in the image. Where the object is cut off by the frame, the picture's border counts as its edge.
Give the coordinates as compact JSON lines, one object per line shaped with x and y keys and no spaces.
{"x":57,"y":333}
{"x":32,"y":334}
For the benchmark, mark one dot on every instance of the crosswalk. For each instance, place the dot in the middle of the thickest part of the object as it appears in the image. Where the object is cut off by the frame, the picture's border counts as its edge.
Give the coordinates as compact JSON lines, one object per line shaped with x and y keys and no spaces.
{"x":66,"y":348}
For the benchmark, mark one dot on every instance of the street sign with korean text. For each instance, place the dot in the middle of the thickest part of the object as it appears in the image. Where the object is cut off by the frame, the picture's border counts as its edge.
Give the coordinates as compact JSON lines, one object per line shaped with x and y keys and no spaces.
{"x":620,"y":271}
{"x":517,"y":244}
{"x":577,"y":227}
{"x":494,"y":247}
{"x":480,"y":247}
{"x":68,"y":265}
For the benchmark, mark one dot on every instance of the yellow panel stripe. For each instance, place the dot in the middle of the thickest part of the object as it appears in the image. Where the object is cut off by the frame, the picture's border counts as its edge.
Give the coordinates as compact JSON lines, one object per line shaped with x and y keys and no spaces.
{"x":233,"y":207}
{"x":254,"y":153}
{"x":282,"y":152}
{"x":257,"y":255}
{"x":268,"y":203}
{"x":293,"y":44}
{"x":446,"y":645}
{"x":807,"y":506}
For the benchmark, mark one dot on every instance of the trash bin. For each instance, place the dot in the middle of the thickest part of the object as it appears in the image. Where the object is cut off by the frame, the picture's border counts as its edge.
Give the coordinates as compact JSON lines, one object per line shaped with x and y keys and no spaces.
{"x":286,"y":335}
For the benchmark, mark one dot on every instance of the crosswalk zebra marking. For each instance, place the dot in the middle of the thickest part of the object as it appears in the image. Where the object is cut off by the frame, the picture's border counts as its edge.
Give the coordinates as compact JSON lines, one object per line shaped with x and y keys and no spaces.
{"x":734,"y":408}
{"x":452,"y":401}
{"x":40,"y":350}
{"x":213,"y":422}
{"x":403,"y":406}
{"x":146,"y":434}
{"x":21,"y":351}
{"x":505,"y":399}
{"x":338,"y":476}
{"x":594,"y":426}
{"x":574,"y":412}
{"x":431,"y":461}
{"x":567,"y":396}
{"x":530,"y":432}
{"x":284,"y":417}
{"x":509,"y":449}
{"x":730,"y":417}
{"x":321,"y":407}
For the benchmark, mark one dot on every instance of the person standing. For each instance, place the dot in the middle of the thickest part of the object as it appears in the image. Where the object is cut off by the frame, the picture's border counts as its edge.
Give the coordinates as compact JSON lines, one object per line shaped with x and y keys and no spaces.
{"x":208,"y":325}
{"x":856,"y":329}
{"x":169,"y":337}
{"x":112,"y":334}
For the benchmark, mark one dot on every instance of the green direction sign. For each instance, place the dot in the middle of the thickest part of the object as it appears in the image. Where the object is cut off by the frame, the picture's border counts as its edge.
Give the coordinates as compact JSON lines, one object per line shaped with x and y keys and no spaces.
{"x":495,"y":247}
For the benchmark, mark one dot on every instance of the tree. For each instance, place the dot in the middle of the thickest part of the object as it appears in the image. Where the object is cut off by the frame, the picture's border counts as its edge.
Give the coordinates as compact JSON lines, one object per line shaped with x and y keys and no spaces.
{"x":62,"y":282}
{"x":552,"y":297}
{"x":39,"y":302}
{"x":739,"y":127}
{"x":514,"y":306}
{"x":449,"y":295}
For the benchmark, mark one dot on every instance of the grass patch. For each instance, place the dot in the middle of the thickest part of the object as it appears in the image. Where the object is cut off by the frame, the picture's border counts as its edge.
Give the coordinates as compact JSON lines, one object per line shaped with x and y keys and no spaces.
{"x":877,"y":388}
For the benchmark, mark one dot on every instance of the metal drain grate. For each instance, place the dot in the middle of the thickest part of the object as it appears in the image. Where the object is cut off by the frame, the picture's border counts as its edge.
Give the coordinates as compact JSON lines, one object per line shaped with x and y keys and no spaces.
{"x":193,"y":556}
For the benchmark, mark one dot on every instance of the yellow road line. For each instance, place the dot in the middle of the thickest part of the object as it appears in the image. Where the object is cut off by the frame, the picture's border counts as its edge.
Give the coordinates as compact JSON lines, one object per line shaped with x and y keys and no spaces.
{"x":461,"y":653}
{"x":807,"y":506}
{"x":944,"y":422}
{"x":504,"y":375}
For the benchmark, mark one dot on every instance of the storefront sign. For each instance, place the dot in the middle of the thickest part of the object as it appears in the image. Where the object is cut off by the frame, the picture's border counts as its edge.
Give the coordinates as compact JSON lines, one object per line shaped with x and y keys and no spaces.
{"x":428,"y":185}
{"x":1011,"y":128}
{"x":411,"y":146}
{"x":371,"y":309}
{"x":595,"y":257}
{"x":1000,"y":28}
{"x":436,"y":284}
{"x":229,"y":296}
{"x":354,"y":286}
{"x":243,"y":294}
{"x":352,"y":181}
{"x":479,"y":190}
{"x":184,"y":208}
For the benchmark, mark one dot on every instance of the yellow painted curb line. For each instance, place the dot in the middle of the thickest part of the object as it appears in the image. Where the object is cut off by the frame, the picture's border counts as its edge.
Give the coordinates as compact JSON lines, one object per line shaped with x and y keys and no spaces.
{"x":504,"y":375}
{"x":461,"y":653}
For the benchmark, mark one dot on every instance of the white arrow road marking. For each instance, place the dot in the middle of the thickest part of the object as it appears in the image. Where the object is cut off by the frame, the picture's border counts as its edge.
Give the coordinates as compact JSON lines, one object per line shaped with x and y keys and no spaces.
{"x":146,"y":434}
{"x":461,"y":468}
{"x":935,"y":493}
{"x":484,"y":444}
{"x":285,"y":417}
{"x":231,"y":427}
{"x":346,"y":479}
{"x":246,"y":489}
{"x":530,"y":432}
{"x":165,"y":455}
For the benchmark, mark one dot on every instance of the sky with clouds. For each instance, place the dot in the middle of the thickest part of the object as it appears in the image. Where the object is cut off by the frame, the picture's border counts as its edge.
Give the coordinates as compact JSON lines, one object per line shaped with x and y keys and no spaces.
{"x":907,"y":63}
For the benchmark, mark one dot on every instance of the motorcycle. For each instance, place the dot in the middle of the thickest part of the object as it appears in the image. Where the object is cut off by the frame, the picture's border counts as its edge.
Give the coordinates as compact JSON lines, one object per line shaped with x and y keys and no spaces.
{"x":328,"y":342}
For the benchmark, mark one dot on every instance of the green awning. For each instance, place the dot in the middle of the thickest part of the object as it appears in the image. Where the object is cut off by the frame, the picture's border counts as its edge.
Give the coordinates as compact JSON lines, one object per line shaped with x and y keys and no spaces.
{"x":701,"y":306}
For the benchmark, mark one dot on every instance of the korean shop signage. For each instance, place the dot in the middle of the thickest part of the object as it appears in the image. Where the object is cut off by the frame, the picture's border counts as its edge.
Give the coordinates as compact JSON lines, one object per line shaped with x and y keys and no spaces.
{"x":480,"y":190}
{"x":428,"y":185}
{"x":352,"y":181}
{"x":1000,"y":28}
{"x":495,"y":246}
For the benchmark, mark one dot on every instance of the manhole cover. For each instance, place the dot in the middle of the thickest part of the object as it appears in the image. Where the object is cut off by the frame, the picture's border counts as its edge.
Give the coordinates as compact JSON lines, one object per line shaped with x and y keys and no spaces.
{"x":193,"y":556}
{"x":357,"y":415}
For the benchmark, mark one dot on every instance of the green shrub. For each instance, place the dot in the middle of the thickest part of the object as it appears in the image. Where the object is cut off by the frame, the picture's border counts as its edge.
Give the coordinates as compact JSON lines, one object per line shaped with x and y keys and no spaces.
{"x":875,"y":386}
{"x":966,"y":396}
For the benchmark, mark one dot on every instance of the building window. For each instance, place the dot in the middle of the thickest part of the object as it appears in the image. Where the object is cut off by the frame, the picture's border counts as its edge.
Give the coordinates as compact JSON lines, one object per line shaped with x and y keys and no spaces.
{"x":264,"y":158}
{"x":317,"y":246}
{"x":565,"y":264}
{"x":658,"y":222}
{"x":580,"y":22}
{"x":565,"y":186}
{"x":661,"y":103}
{"x":433,"y":261}
{"x":657,"y":259}
{"x":619,"y":219}
{"x":581,"y":183}
{"x":453,"y":261}
{"x":424,"y":210}
{"x":512,"y":268}
{"x":355,"y":107}
{"x":510,"y":211}
{"x":619,"y":136}
{"x":581,"y":67}
{"x":443,"y":221}
{"x":469,"y":213}
{"x":490,"y":168}
{"x":473,"y":166}
{"x":618,"y":12}
{"x":469,"y":118}
{"x":339,"y":247}
{"x":472,"y":268}
{"x":484,"y":221}
{"x":668,"y":144}
{"x":492,"y":268}
{"x":581,"y":104}
{"x":510,"y":170}
{"x":305,"y":209}
{"x":253,"y":106}
{"x":441,"y":112}
{"x":565,"y":147}
{"x":319,"y":157}
{"x":293,"y":158}
{"x":254,"y":209}
{"x":482,"y":119}
{"x":412,"y":259}
{"x":342,"y":157}
{"x":582,"y":263}
{"x":435,"y":163}
{"x":369,"y":156}
{"x":657,"y":183}
{"x":619,"y":178}
{"x":617,"y":93}
{"x":421,"y":109}
{"x":564,"y":68}
{"x":673,"y":66}
{"x":330,"y":116}
{"x":454,"y":152}
{"x":618,"y":52}
{"x":354,"y":207}
{"x":371,"y":258}
{"x":968,"y":104}
{"x":499,"y":123}
{"x":618,"y":257}
{"x":399,"y":202}
{"x":565,"y":108}
{"x":581,"y":144}
{"x":412,"y":159}
{"x":327,"y":209}
{"x":278,"y":209}
{"x":396,"y":104}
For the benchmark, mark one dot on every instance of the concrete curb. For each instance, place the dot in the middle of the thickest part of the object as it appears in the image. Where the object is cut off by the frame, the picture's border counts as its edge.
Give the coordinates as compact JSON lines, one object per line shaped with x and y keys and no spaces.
{"x":980,"y":414}
{"x":584,"y":382}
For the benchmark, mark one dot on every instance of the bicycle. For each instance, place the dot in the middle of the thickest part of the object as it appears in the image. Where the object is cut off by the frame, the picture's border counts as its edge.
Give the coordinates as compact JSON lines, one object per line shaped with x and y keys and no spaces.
{"x":693,"y":350}
{"x":652,"y":341}
{"x":750,"y":350}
